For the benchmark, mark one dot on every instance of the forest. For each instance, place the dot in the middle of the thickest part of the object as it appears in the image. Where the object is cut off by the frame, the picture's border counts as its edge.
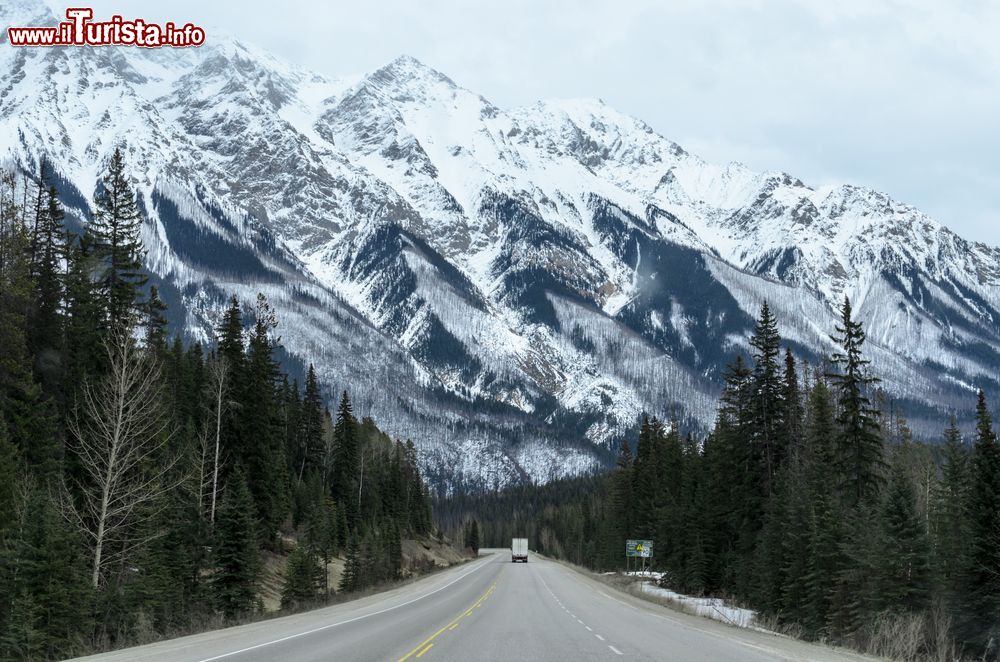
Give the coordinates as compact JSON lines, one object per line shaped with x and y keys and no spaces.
{"x":809,"y":501}
{"x":143,"y":477}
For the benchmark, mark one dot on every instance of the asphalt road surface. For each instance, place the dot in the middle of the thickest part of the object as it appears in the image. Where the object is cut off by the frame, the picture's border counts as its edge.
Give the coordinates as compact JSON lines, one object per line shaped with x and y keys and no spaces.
{"x":489,"y":609}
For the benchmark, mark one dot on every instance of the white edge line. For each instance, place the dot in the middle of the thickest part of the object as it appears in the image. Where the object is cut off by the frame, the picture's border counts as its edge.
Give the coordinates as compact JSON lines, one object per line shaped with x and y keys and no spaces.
{"x":350,"y":620}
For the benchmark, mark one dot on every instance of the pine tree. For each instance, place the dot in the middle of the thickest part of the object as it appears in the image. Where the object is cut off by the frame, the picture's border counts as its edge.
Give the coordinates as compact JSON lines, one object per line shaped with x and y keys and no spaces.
{"x":314,"y":446}
{"x":905,"y":581}
{"x":51,"y":600}
{"x":116,"y":224}
{"x":30,"y":418}
{"x":323,"y":535}
{"x":950,"y":525}
{"x":83,"y":313}
{"x":793,"y":408}
{"x":9,"y":462}
{"x":346,"y":462}
{"x":394,"y":548}
{"x":262,"y":444}
{"x":303,"y":578}
{"x":230,"y":333}
{"x":621,"y":506}
{"x":768,"y":399}
{"x":982,"y":595}
{"x":350,"y":579}
{"x":859,"y":460}
{"x":237,"y":560}
{"x":474,"y":537}
{"x":156,"y":322}
{"x":45,"y":323}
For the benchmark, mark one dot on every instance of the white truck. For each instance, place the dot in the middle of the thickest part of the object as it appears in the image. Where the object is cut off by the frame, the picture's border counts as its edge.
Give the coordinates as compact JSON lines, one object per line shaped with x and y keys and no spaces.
{"x":519,"y":550}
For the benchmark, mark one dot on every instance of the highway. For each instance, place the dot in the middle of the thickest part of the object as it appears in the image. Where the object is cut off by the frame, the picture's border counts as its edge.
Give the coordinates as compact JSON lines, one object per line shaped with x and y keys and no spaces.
{"x":489,"y":609}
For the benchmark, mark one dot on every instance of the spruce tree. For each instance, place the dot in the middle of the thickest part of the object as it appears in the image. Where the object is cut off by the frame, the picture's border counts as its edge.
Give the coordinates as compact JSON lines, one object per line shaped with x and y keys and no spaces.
{"x":345,"y":462}
{"x":313,"y":413}
{"x":156,"y":322}
{"x":350,"y":579}
{"x":793,"y":407}
{"x":949,"y":519}
{"x":49,"y":591}
{"x":768,"y":399}
{"x":45,"y":323}
{"x":262,"y":444}
{"x":303,"y":578}
{"x":859,"y":459}
{"x":116,"y":224}
{"x":83,"y":313}
{"x":621,"y":506}
{"x":905,"y":581}
{"x":474,"y":536}
{"x":9,"y":466}
{"x":982,"y":613}
{"x":237,"y":563}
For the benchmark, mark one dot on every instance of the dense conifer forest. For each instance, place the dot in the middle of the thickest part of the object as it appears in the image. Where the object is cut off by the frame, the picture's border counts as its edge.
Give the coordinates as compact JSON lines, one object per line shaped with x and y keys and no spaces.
{"x":809,"y":501}
{"x":142,"y":478}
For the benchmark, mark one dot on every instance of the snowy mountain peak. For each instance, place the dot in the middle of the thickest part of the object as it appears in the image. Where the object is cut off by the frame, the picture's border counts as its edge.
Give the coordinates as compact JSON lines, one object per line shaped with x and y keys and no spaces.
{"x":24,"y":13}
{"x":508,"y":288}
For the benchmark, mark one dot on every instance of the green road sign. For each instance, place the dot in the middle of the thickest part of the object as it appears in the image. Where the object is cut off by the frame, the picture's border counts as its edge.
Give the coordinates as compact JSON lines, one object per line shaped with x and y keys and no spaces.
{"x":640,"y":548}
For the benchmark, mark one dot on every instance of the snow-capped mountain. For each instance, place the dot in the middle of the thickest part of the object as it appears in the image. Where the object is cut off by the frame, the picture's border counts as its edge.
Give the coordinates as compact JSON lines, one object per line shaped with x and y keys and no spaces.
{"x":510,"y":288}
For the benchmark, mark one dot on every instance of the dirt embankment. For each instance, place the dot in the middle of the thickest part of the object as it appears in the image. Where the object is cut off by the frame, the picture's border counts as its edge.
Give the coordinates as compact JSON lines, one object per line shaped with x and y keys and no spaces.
{"x":420,"y":556}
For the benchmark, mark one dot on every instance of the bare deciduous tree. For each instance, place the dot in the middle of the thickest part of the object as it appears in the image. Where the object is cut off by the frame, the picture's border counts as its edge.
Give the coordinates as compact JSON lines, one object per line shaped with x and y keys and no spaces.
{"x":120,"y":434}
{"x":218,"y":382}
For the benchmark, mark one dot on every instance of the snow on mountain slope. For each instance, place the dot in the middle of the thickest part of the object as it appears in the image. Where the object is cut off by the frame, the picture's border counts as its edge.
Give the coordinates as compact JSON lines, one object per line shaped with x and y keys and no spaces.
{"x":510,"y":288}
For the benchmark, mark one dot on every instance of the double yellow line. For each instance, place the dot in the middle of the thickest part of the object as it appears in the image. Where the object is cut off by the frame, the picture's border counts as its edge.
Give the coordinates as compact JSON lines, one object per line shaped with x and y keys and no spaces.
{"x":428,"y":643}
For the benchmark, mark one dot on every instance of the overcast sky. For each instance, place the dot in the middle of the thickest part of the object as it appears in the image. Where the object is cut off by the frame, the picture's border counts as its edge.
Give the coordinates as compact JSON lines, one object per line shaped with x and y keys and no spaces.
{"x":902,"y":96}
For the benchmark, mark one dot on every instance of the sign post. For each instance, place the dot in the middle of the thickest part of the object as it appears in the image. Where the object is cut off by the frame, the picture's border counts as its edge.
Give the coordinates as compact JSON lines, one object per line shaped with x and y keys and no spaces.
{"x":639,"y":549}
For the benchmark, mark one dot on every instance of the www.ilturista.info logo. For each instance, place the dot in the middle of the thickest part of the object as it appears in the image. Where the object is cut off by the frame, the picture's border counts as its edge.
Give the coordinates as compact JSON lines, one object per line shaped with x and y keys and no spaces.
{"x":79,"y":30}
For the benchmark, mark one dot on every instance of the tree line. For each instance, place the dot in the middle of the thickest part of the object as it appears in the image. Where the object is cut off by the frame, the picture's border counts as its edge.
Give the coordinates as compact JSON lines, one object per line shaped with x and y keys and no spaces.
{"x":143,"y":479}
{"x":808,"y":501}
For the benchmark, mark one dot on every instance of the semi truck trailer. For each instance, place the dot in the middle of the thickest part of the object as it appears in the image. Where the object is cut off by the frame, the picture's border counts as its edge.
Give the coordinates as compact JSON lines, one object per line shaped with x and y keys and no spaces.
{"x":519,"y":550}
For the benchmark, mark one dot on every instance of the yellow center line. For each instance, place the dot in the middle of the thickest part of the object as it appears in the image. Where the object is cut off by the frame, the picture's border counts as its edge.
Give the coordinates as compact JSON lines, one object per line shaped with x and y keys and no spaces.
{"x":427,"y":643}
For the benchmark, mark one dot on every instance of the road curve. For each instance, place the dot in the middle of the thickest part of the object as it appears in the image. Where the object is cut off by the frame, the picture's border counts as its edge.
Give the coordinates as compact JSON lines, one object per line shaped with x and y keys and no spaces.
{"x":487,"y":610}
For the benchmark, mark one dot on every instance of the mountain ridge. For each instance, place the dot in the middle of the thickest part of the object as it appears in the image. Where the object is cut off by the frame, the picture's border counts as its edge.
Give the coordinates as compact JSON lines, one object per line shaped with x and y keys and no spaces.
{"x":521,"y":283}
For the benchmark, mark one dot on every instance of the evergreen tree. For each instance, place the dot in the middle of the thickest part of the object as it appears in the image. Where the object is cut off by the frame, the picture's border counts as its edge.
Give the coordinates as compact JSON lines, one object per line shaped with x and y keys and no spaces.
{"x":237,"y":559}
{"x":45,"y":323}
{"x":792,"y":403}
{"x":83,"y":313}
{"x":474,"y":537}
{"x":351,"y":578}
{"x":116,"y":224}
{"x":906,"y":568}
{"x":323,"y":535}
{"x":230,"y":333}
{"x":156,"y":322}
{"x":950,"y":525}
{"x":313,"y":413}
{"x":50,"y":598}
{"x":303,"y":578}
{"x":768,"y":399}
{"x":859,"y":460}
{"x":621,"y":506}
{"x":346,"y":456}
{"x":982,"y":613}
{"x":394,"y":548}
{"x":8,"y":481}
{"x":262,"y":444}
